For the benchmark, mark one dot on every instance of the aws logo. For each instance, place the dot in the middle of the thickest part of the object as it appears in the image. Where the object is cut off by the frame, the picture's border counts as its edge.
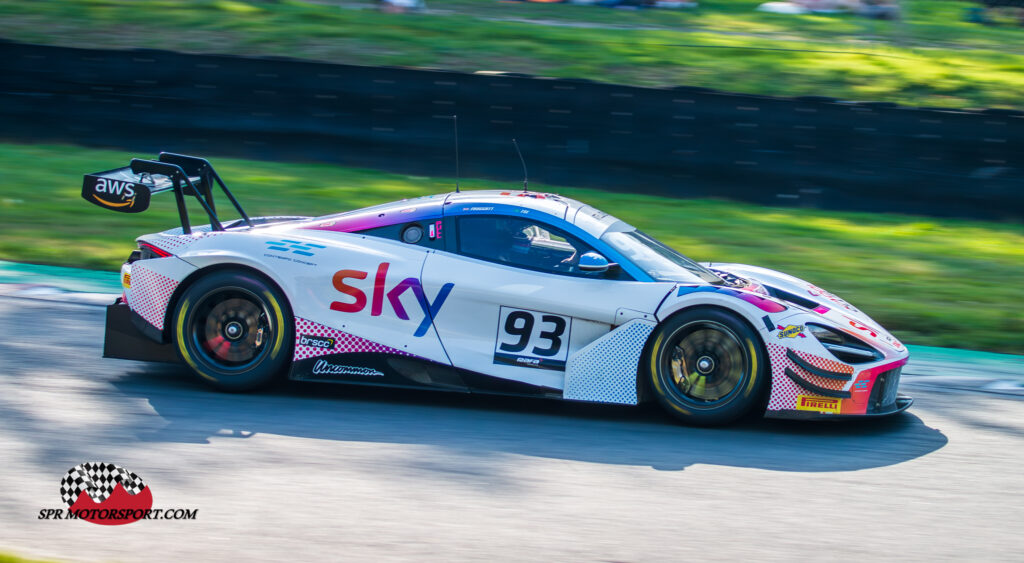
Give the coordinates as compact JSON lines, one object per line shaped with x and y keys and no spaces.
{"x":430,"y":307}
{"x":117,"y":195}
{"x":125,"y":191}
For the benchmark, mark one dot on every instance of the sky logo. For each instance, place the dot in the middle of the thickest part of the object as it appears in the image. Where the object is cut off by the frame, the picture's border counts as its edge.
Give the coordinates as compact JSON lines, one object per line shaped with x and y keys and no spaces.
{"x":293,"y":246}
{"x":430,"y":308}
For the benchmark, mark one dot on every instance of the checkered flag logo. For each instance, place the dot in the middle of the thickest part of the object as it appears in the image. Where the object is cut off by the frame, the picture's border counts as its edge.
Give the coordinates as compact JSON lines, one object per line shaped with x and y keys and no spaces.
{"x":98,"y":480}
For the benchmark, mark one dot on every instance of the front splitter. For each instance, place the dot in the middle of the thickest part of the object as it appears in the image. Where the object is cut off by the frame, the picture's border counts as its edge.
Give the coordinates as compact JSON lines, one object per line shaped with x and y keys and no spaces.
{"x":902,"y":403}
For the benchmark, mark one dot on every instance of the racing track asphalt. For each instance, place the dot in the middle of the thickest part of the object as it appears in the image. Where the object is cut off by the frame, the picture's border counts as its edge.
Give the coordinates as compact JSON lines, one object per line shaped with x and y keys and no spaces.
{"x":314,"y":472}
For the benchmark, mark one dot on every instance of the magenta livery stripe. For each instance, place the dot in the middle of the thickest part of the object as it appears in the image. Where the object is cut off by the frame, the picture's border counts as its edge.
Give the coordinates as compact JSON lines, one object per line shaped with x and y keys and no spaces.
{"x":380,"y":216}
{"x":766,"y":305}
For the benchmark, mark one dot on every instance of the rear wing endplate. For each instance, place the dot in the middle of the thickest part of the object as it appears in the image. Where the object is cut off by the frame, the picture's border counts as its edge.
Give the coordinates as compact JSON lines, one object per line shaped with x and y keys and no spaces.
{"x":129,"y":189}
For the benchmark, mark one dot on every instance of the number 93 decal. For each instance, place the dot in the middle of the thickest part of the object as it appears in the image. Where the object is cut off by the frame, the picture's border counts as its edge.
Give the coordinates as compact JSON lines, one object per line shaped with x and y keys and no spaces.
{"x":532,"y":339}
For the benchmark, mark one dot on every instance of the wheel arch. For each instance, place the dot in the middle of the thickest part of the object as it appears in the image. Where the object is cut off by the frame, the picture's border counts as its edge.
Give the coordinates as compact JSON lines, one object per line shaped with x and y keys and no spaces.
{"x":193,"y":277}
{"x":645,"y":394}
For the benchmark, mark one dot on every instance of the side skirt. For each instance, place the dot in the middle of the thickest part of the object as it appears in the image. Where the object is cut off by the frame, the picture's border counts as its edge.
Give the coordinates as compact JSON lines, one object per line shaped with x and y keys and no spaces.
{"x":374,"y":368}
{"x":392,"y":370}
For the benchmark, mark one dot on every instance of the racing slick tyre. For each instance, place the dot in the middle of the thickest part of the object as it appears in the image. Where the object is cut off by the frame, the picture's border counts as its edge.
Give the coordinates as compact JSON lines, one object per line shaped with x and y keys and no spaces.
{"x":706,"y":366}
{"x":234,"y":329}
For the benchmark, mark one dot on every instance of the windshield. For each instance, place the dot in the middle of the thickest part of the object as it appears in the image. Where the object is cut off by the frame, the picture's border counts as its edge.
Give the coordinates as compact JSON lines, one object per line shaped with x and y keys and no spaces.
{"x":657,"y":260}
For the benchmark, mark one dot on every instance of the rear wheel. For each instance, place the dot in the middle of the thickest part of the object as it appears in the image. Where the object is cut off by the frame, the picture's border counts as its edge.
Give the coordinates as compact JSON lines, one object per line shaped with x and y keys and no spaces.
{"x":234,"y":329}
{"x":705,"y":366}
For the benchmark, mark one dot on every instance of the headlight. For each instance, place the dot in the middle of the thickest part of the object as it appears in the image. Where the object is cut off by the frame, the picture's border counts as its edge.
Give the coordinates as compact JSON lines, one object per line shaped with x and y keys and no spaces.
{"x":844,"y":346}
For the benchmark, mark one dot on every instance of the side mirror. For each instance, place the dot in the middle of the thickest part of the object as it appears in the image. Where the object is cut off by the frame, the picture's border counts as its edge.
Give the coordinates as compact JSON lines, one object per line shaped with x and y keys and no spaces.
{"x":594,"y":262}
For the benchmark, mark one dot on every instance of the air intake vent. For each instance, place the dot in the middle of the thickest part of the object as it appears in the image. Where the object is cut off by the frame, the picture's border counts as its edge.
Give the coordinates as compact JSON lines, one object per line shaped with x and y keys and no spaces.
{"x":852,"y":355}
{"x":731,"y":280}
{"x":792,"y":298}
{"x":843,"y":346}
{"x":883,"y":394}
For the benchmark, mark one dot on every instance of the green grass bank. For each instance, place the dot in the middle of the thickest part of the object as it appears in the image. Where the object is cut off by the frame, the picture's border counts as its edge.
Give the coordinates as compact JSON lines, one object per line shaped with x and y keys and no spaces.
{"x":930,"y":58}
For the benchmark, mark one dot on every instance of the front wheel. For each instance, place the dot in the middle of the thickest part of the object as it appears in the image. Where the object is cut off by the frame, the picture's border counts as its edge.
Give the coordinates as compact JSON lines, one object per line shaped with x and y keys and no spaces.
{"x":706,"y":367}
{"x":234,"y":330}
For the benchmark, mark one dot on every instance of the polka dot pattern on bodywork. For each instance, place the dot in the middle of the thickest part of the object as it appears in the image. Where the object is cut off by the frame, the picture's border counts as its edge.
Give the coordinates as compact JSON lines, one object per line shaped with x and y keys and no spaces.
{"x":785,"y":390}
{"x":313,"y":339}
{"x":149,"y":294}
{"x":605,"y":371}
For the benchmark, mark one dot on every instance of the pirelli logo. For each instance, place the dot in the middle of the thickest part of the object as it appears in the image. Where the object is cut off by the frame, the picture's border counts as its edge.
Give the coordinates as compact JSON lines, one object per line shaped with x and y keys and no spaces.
{"x":126,"y":280}
{"x":817,"y":404}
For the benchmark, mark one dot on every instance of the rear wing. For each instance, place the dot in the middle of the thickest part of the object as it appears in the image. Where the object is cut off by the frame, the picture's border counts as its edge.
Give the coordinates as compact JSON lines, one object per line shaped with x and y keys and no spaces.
{"x":129,"y":189}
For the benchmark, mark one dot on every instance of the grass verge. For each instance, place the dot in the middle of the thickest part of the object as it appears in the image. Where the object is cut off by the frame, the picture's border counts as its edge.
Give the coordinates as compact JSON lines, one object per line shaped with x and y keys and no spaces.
{"x":931,"y":58}
{"x":11,"y":558}
{"x":937,"y":282}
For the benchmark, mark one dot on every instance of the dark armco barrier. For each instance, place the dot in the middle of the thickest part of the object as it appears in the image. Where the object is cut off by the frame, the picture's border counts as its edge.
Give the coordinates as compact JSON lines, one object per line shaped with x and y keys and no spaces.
{"x":682,"y":142}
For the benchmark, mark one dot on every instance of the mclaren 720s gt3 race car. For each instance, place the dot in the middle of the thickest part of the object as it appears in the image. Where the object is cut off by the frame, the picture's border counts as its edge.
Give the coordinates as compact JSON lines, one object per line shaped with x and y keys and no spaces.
{"x":511,"y":292}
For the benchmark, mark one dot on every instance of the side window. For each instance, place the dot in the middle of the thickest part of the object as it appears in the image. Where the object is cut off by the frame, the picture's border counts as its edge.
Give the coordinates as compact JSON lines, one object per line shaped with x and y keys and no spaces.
{"x":427,"y":233}
{"x":521,"y":242}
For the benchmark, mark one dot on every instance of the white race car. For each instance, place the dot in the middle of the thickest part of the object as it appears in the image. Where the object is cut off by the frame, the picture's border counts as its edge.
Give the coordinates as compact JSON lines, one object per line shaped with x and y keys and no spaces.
{"x":511,"y":292}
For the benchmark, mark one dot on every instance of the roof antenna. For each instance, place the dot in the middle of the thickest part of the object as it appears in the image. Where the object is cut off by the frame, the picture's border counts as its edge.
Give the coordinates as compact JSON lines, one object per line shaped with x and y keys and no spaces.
{"x":525,"y":178}
{"x":455,"y":123}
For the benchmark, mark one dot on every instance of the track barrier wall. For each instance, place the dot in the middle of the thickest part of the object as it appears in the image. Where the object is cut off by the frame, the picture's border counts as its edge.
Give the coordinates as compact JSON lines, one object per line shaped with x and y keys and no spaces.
{"x":680,"y":142}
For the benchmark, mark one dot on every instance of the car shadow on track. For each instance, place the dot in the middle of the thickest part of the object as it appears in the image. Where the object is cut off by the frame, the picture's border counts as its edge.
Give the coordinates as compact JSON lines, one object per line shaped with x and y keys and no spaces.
{"x":476,"y":425}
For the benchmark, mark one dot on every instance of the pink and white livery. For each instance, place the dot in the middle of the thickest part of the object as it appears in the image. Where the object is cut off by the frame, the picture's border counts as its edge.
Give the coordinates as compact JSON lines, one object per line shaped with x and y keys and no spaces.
{"x":486,"y":291}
